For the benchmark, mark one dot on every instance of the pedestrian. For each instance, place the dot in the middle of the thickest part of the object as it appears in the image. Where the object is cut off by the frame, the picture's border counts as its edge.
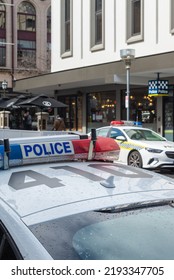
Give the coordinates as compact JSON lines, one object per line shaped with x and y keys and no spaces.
{"x":59,"y":124}
{"x":27,"y":120}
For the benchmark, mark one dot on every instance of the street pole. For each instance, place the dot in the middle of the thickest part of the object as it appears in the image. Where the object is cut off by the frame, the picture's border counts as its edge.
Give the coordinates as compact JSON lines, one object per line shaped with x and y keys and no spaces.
{"x":128,"y":92}
{"x":4,"y":87}
{"x":127,"y":56}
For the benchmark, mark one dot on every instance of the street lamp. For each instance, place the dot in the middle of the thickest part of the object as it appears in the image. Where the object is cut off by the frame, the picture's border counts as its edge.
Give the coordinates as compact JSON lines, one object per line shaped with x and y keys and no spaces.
{"x":4,"y":86}
{"x":127,"y":55}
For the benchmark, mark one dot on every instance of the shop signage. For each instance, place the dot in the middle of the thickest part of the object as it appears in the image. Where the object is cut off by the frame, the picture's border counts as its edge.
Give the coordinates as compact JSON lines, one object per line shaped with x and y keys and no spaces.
{"x":158,"y":87}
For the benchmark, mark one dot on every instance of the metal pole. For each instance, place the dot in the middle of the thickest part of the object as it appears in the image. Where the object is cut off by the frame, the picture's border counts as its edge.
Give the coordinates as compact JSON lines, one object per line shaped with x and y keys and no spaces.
{"x":128,"y":91}
{"x":127,"y":55}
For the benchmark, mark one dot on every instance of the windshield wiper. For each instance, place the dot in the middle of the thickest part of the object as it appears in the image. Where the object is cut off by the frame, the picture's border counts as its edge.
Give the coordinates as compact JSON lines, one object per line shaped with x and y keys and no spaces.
{"x":136,"y":206}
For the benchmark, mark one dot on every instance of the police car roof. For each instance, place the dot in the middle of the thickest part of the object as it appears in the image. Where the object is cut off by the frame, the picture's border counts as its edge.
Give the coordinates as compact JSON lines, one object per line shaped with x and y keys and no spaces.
{"x":129,"y":127}
{"x":46,"y":191}
{"x":46,"y":138}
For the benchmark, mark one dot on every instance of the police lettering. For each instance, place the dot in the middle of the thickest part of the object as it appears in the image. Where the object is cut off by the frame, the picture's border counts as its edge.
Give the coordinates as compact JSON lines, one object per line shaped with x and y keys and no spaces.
{"x":46,"y":149}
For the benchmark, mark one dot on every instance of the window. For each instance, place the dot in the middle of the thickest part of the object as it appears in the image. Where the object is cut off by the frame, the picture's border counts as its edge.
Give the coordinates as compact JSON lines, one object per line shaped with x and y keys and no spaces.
{"x":101,"y":109}
{"x":66,"y":24}
{"x":26,"y":35}
{"x":134,"y":20}
{"x":115,"y":132}
{"x":143,"y":108}
{"x":172,"y":16}
{"x":97,"y":25}
{"x":2,"y":34}
{"x":102,"y":132}
{"x":49,"y":38}
{"x":98,"y":22}
{"x":115,"y":233}
{"x":8,"y":249}
{"x":26,"y":17}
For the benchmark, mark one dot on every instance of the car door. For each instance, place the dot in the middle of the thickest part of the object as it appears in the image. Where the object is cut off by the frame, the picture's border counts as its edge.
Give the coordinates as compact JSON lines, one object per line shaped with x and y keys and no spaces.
{"x":114,"y":133}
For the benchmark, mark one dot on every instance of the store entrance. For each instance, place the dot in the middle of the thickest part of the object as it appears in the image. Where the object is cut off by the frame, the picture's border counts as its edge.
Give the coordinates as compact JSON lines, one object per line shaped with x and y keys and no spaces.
{"x":72,"y":114}
{"x":168,"y":110}
{"x":101,"y":109}
{"x":142,"y":108}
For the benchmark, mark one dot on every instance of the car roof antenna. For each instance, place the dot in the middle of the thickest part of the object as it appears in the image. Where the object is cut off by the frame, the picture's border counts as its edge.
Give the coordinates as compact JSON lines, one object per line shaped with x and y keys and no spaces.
{"x":108,"y":183}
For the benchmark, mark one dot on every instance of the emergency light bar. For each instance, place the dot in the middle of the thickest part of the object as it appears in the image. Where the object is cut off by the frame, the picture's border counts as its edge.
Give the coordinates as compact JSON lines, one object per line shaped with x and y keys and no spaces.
{"x":126,"y":123}
{"x":57,"y":148}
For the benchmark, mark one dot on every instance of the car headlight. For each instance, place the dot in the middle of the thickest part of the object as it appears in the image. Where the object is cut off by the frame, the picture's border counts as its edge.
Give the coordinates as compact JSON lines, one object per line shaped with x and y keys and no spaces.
{"x":152,"y":150}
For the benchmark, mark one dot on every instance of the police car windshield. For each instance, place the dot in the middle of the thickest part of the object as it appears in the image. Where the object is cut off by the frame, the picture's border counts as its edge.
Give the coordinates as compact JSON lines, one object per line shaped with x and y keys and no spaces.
{"x":135,"y":234}
{"x":143,"y":134}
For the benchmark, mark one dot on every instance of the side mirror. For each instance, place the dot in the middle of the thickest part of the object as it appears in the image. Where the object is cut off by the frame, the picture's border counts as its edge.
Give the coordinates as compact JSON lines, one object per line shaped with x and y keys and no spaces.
{"x":120,"y":138}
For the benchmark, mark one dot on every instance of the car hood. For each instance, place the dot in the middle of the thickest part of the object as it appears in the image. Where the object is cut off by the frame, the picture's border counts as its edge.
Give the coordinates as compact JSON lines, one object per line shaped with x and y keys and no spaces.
{"x":163,"y":145}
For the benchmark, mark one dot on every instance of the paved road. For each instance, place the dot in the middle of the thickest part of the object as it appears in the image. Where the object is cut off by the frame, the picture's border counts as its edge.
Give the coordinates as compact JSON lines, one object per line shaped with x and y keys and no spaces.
{"x":168,"y":173}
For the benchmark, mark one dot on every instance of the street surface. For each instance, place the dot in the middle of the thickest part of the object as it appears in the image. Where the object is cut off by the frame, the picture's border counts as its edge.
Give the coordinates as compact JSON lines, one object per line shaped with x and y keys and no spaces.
{"x":168,"y":173}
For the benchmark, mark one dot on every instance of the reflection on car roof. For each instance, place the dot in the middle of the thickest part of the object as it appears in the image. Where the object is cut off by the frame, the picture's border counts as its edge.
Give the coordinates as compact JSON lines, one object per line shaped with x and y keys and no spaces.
{"x":41,"y":192}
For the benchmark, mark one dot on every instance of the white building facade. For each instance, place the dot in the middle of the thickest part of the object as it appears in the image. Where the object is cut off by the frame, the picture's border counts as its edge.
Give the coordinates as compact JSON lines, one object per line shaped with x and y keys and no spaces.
{"x":88,"y":73}
{"x":150,"y":32}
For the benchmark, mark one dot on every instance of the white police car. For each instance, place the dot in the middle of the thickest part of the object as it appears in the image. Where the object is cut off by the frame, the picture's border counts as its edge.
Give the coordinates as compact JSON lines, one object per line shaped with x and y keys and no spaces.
{"x":81,"y":210}
{"x":140,"y":147}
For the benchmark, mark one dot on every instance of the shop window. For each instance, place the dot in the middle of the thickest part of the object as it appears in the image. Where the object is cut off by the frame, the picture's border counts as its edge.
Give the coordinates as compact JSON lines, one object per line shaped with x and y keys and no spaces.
{"x":2,"y":34}
{"x":97,"y":24}
{"x":168,"y":113}
{"x":135,"y":22}
{"x":142,"y":107}
{"x":101,"y":109}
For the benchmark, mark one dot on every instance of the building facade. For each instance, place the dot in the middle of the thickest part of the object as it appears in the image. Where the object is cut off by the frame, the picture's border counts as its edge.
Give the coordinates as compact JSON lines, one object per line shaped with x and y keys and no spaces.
{"x":25,"y":40}
{"x":88,"y":73}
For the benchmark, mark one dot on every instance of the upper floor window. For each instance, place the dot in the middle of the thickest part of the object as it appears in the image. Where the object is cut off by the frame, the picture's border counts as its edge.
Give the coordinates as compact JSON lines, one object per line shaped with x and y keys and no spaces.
{"x":172,"y":16}
{"x":134,"y":20}
{"x":98,"y":22}
{"x":66,"y":24}
{"x":49,"y":21}
{"x":97,"y":25}
{"x":136,"y":17}
{"x":2,"y":34}
{"x":49,"y":38}
{"x":2,"y":16}
{"x":26,"y":17}
{"x":26,"y":35}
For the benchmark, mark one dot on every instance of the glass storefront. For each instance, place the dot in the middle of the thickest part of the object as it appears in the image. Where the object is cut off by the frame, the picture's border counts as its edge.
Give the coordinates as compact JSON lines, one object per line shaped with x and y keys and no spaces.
{"x":72,"y":114}
{"x":101,"y":109}
{"x":142,"y":107}
{"x":168,"y":110}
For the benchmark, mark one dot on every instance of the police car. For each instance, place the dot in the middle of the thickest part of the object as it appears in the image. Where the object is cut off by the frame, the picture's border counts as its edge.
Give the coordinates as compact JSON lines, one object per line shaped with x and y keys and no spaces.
{"x":81,"y":208}
{"x":140,"y":147}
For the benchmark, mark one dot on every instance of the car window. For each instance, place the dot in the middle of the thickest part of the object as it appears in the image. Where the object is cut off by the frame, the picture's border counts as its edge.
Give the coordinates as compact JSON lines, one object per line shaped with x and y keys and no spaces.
{"x":143,"y":134}
{"x":102,"y":132}
{"x":8,"y":249}
{"x":115,"y":132}
{"x":133,"y":234}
